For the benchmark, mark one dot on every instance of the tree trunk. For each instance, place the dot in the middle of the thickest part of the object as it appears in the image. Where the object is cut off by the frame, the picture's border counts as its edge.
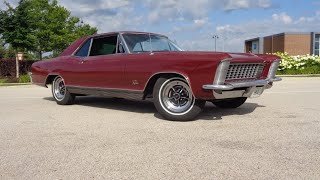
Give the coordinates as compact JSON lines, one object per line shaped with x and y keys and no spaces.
{"x":17,"y":67}
{"x":40,"y":55}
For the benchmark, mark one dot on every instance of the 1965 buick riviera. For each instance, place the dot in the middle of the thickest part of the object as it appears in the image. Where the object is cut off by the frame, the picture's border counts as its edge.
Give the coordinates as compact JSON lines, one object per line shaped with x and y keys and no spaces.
{"x":140,"y":65}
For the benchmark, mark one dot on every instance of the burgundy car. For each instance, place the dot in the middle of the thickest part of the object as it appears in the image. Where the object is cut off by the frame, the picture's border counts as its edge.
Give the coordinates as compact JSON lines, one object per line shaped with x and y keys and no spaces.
{"x":140,"y":65}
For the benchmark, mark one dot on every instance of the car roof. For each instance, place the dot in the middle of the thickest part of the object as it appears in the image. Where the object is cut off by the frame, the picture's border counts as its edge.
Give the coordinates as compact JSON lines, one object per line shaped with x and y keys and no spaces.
{"x":125,"y":32}
{"x":75,"y":45}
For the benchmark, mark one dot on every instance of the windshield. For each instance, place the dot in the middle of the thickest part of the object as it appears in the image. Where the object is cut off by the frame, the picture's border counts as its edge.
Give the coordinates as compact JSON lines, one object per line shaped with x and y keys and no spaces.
{"x":149,"y":43}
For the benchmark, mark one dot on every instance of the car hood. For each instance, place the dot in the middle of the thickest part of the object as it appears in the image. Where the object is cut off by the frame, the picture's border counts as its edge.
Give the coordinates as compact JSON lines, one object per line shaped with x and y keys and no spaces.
{"x":205,"y":55}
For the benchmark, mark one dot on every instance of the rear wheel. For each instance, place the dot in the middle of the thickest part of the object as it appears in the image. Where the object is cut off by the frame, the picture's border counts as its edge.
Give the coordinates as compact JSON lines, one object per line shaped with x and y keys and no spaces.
{"x":230,"y":103}
{"x":60,"y":92}
{"x":174,"y":100}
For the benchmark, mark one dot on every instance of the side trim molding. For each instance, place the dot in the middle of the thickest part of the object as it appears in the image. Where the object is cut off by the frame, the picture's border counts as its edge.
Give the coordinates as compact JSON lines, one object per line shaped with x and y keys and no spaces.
{"x":119,"y":93}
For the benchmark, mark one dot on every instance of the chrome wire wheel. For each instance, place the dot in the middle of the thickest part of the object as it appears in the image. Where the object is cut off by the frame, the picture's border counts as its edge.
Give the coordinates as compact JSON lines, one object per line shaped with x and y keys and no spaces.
{"x":59,"y":89}
{"x":175,"y":96}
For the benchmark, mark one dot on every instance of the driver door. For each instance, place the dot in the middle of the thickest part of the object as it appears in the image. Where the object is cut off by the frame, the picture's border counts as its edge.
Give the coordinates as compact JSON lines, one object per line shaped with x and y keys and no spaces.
{"x":97,"y":64}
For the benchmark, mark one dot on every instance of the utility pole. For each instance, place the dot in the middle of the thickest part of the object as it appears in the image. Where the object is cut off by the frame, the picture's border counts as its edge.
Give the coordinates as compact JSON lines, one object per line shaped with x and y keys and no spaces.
{"x":215,"y":37}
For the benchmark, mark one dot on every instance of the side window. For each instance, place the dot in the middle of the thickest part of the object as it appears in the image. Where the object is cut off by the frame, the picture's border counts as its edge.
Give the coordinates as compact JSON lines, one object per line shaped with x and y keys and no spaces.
{"x":160,"y":44}
{"x":104,"y":46}
{"x":172,"y":47}
{"x":142,"y":47}
{"x":83,"y":51}
{"x":137,"y":47}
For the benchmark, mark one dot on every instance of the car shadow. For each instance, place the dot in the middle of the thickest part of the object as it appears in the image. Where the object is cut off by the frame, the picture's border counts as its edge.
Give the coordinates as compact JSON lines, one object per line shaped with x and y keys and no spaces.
{"x":114,"y":103}
{"x":210,"y":111}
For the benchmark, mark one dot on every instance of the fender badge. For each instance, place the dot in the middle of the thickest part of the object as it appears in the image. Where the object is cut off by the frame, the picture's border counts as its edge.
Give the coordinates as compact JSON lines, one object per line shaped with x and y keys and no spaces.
{"x":135,"y":82}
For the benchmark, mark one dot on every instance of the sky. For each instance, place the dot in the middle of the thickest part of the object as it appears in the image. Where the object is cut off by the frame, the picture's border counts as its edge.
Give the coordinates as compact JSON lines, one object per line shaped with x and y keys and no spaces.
{"x":192,"y":23}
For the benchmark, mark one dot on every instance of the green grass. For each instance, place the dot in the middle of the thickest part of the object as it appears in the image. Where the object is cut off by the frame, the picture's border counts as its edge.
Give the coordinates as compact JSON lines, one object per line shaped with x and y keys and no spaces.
{"x":8,"y":84}
{"x":23,"y":79}
{"x":3,"y":81}
{"x":301,"y":75}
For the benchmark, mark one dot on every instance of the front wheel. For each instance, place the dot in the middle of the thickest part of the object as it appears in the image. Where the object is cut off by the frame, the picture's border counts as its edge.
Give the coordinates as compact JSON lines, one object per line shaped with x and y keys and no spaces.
{"x":60,"y":93}
{"x":230,"y":103}
{"x":174,"y":100}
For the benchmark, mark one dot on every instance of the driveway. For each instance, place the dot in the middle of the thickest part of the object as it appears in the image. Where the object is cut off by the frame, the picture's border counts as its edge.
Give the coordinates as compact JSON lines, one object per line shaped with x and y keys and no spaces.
{"x":276,"y":136}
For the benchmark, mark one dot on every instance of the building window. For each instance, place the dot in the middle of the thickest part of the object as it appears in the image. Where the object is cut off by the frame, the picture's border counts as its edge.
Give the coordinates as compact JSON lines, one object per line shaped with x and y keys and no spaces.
{"x":316,"y":44}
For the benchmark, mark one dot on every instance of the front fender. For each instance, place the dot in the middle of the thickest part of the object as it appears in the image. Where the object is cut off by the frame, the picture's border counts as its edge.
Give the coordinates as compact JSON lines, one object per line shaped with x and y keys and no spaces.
{"x":203,"y":74}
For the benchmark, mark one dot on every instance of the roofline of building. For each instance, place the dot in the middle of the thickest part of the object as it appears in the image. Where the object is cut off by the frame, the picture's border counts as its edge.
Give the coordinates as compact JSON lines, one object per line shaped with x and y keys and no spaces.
{"x":283,"y":33}
{"x":253,"y":39}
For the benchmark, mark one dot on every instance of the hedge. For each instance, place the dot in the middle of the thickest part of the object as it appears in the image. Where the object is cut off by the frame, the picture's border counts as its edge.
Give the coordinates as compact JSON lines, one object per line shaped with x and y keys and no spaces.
{"x":8,"y":67}
{"x":292,"y":65}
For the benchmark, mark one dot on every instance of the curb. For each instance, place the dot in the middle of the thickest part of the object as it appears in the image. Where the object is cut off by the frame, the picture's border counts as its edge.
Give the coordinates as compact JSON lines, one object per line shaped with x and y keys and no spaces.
{"x":14,"y":84}
{"x":301,"y":75}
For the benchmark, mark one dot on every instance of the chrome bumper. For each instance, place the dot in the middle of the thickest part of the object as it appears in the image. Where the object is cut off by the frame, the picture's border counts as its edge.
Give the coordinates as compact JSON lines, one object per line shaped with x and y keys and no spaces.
{"x":223,"y":90}
{"x":231,"y":86}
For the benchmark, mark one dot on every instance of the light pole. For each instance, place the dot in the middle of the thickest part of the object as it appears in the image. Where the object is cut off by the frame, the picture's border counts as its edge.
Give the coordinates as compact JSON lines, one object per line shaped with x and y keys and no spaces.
{"x":215,"y":37}
{"x":80,"y":23}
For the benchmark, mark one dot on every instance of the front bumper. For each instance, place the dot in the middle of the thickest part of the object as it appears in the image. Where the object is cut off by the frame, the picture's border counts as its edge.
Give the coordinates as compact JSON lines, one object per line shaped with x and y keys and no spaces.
{"x":235,"y":85}
{"x":224,"y":90}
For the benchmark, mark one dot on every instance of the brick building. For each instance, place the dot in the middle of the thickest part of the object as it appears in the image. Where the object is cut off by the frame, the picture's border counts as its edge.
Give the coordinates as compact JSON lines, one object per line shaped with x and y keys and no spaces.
{"x":292,"y":43}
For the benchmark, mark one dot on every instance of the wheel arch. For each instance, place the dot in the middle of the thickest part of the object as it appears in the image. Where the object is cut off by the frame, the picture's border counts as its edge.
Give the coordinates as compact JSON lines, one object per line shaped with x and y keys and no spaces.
{"x":50,"y":78}
{"x":148,"y":90}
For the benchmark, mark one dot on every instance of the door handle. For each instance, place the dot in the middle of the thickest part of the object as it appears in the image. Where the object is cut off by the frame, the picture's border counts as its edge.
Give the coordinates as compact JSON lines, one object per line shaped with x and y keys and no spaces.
{"x":82,"y":61}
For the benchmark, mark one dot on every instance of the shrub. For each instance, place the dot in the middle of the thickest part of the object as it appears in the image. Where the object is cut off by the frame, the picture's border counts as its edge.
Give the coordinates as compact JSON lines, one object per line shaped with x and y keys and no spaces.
{"x":306,"y":64}
{"x":24,"y":78}
{"x":7,"y":68}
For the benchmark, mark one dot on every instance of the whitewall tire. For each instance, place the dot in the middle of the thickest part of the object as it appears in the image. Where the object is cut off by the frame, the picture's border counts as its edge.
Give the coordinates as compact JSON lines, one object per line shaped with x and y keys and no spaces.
{"x":174,"y":100}
{"x":60,"y":92}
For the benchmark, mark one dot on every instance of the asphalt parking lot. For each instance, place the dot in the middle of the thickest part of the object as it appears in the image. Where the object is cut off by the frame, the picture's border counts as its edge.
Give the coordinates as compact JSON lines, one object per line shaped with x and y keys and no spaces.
{"x":276,"y":136}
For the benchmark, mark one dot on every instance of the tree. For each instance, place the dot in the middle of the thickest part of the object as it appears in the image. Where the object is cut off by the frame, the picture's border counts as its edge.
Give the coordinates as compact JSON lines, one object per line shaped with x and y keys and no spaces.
{"x":41,"y":26}
{"x":2,"y":52}
{"x":53,"y":26}
{"x":6,"y":53}
{"x":16,"y":29}
{"x":10,"y":53}
{"x":2,"y":49}
{"x":74,"y":30}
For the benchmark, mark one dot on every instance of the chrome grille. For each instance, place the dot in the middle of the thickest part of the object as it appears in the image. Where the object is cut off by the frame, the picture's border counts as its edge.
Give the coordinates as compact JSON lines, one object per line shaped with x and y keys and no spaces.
{"x":244,"y":71}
